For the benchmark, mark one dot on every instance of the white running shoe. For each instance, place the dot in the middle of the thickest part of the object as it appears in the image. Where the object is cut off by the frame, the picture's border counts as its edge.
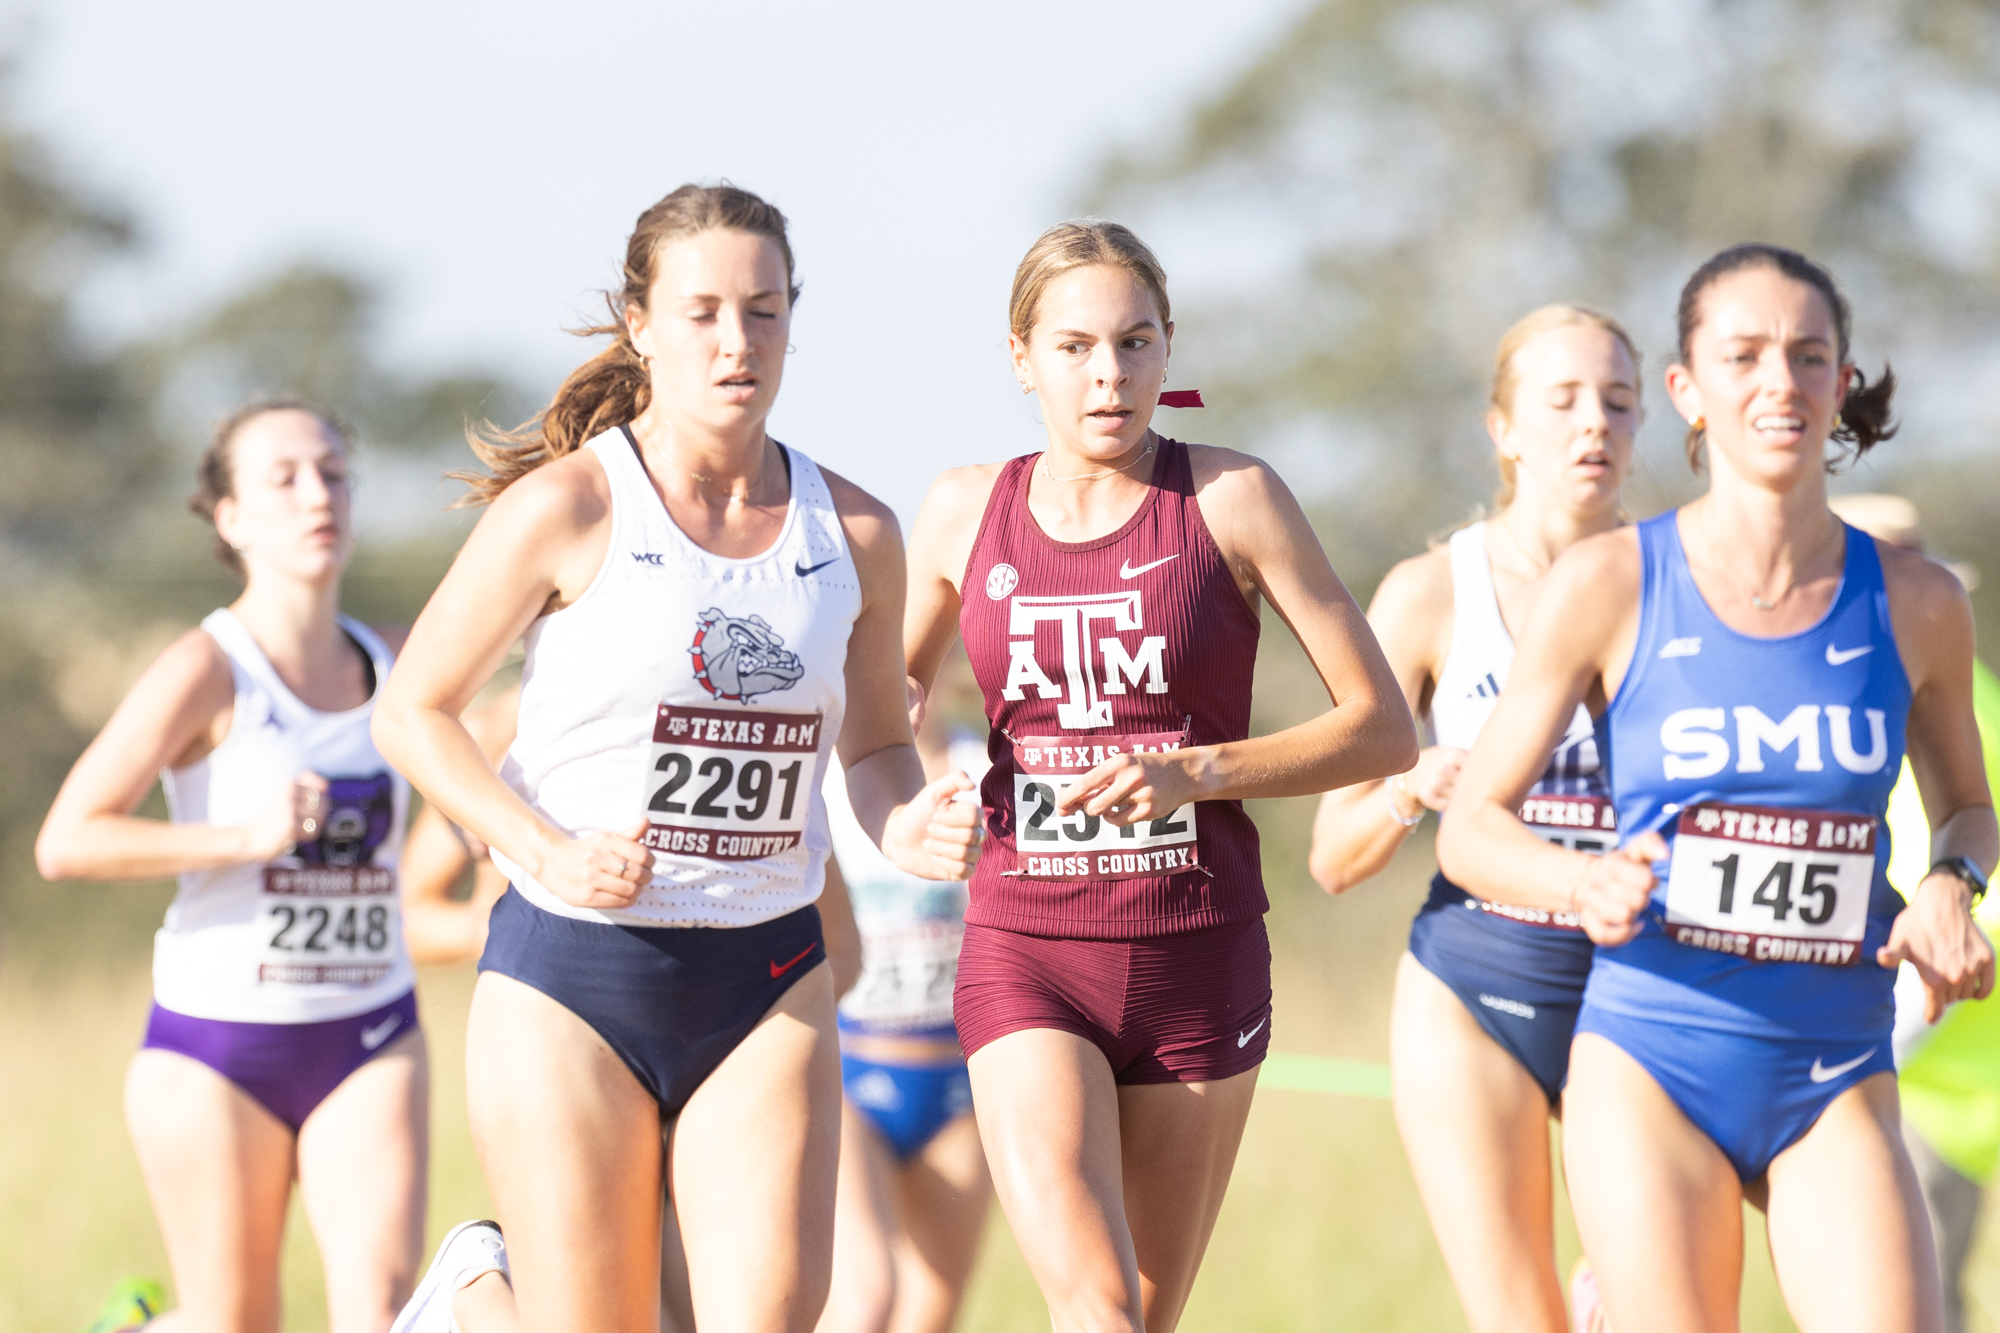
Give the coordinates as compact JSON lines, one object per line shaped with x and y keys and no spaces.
{"x":469,"y":1250}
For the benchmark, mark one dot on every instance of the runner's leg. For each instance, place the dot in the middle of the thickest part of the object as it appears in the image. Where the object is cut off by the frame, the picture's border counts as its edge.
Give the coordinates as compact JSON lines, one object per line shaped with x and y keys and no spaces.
{"x":756,"y":1156}
{"x":1953,"y":1202}
{"x":1180,"y":1142}
{"x":1848,"y":1233}
{"x":864,"y":1226}
{"x":570,"y":1144}
{"x":363,"y":1155}
{"x":1657,"y":1203}
{"x":945,"y":1194}
{"x":218,"y":1168}
{"x":1049,"y":1117}
{"x":1475,"y":1125}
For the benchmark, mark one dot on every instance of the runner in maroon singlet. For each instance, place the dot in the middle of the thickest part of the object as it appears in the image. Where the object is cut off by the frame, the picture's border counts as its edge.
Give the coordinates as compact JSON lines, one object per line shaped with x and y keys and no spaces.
{"x":1114,"y":991}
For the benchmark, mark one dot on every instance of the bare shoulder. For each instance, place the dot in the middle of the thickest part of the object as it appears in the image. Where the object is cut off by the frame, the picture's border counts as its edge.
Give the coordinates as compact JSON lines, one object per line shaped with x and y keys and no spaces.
{"x":1231,"y":474}
{"x":569,"y":494}
{"x":959,"y":494}
{"x":1926,"y":600}
{"x":189,"y":680}
{"x":1607,"y":563}
{"x":1416,"y":590}
{"x":869,"y":523}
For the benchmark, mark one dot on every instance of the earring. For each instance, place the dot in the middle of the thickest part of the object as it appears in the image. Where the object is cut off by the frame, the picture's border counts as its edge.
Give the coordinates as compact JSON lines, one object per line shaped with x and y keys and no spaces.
{"x":1838,"y":421}
{"x":1698,"y":425}
{"x":790,"y":348}
{"x":1027,"y":388}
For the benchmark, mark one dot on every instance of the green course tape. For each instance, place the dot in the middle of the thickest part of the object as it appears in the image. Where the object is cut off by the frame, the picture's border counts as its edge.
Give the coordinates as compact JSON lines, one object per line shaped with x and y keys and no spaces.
{"x":1324,"y":1073}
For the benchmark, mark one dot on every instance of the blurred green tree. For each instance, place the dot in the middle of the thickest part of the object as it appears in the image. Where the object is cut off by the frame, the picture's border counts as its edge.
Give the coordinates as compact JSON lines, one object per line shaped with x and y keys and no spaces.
{"x":1355,"y":219}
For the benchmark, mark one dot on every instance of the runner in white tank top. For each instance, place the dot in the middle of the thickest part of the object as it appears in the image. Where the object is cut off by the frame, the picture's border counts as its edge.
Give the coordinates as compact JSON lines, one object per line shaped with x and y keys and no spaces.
{"x":283,"y":1039}
{"x":707,"y":614}
{"x":1487,"y":996}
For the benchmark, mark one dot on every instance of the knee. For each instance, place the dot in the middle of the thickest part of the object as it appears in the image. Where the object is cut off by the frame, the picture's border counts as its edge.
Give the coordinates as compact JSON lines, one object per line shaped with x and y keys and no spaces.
{"x":1097,"y":1311}
{"x":860,"y":1303}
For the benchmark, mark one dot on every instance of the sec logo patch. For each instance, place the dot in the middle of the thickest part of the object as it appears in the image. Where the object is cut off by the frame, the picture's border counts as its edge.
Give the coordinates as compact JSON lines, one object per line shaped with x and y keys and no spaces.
{"x":1001,"y":580}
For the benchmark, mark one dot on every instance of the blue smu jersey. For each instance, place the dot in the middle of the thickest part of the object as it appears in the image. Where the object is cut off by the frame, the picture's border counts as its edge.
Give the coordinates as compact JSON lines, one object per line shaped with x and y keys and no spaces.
{"x":1810,"y":722}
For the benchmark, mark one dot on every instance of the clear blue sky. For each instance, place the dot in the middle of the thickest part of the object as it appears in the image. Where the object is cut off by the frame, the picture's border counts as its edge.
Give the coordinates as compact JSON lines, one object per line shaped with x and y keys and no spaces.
{"x":485,"y":161}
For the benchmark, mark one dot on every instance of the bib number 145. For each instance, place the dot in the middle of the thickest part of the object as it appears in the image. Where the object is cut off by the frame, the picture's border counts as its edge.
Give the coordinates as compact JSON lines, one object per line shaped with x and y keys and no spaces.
{"x":1772,"y":885}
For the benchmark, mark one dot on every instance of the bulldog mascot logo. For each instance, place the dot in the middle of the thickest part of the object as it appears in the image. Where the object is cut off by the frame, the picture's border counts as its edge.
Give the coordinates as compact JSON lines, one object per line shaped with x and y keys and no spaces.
{"x":741,"y":659}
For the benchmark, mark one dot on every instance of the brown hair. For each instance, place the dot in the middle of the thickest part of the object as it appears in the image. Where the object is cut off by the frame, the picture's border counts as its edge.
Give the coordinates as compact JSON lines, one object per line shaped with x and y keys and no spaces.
{"x":613,"y":387}
{"x":1865,"y":419}
{"x":1562,"y":315}
{"x":1078,"y":244}
{"x":215,"y":472}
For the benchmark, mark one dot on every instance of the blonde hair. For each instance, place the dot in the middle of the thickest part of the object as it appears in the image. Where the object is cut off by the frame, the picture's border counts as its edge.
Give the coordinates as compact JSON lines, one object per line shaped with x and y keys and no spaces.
{"x":1561,"y":315}
{"x":1076,"y":244}
{"x":614,"y":386}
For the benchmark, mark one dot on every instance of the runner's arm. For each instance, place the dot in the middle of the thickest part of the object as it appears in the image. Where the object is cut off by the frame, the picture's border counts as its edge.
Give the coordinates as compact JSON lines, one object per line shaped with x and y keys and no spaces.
{"x":535,"y":549}
{"x":941,"y":541}
{"x":1354,"y":832}
{"x":437,"y":929}
{"x":1366,"y":734}
{"x":1934,"y":631}
{"x":919,"y":826}
{"x":176,"y":713}
{"x":837,"y":924}
{"x":1584,"y":620}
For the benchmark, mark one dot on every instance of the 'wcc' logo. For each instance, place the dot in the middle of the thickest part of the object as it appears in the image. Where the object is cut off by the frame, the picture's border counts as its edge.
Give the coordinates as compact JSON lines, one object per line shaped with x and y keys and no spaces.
{"x":1081,"y":619}
{"x":741,"y":659}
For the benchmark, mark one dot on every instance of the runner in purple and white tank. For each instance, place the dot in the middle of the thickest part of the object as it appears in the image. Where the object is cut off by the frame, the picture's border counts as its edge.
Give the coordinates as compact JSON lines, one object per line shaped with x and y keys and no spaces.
{"x":283,"y":1041}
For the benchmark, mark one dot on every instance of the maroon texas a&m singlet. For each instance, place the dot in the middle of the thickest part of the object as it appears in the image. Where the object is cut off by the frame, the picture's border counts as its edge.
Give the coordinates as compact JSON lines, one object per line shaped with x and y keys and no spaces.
{"x":1139,"y":640}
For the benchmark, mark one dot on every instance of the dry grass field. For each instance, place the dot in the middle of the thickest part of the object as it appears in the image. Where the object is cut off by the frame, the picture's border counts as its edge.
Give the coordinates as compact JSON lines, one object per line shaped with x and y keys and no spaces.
{"x":1322,"y":1229}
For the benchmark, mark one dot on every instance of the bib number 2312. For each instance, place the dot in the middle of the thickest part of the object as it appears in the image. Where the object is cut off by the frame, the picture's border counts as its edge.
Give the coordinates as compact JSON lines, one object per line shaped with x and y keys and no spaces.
{"x":1776,"y":886}
{"x":730,"y":784}
{"x":1087,"y":847}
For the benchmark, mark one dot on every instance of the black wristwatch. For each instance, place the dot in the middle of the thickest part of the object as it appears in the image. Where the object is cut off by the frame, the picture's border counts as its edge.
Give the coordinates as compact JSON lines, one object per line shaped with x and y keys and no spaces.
{"x":1966,"y":869}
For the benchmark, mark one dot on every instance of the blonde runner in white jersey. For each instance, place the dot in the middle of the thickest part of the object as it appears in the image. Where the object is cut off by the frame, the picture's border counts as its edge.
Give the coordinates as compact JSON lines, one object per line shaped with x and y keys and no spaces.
{"x":312,"y":936}
{"x":704,"y":690}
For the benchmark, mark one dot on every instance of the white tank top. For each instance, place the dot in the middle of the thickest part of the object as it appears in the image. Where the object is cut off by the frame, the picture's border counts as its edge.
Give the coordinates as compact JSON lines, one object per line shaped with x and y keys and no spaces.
{"x":911,"y":928}
{"x":1475,"y":671}
{"x":309,"y":937}
{"x":700,"y":691}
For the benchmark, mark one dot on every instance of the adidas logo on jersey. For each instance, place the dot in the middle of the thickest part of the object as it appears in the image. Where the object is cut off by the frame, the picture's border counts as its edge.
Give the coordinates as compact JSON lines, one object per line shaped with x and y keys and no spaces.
{"x":1487,"y":688}
{"x":1688,"y":647}
{"x":1697,"y":740}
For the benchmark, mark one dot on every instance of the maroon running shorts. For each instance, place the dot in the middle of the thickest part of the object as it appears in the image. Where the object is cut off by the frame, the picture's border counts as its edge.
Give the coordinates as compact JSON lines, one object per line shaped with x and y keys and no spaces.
{"x":1186,"y":1008}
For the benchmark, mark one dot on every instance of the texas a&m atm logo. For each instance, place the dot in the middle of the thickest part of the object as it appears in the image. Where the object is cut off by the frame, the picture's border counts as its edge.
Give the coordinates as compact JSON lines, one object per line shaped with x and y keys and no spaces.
{"x":1094,"y":664}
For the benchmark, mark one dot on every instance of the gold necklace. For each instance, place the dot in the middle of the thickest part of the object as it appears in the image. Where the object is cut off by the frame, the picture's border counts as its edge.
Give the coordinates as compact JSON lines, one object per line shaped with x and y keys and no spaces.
{"x":1086,"y":476}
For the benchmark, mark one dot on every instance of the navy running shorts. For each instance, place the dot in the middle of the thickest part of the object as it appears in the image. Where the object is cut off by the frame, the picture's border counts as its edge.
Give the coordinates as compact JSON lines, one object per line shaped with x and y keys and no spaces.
{"x":1522,"y":983}
{"x":673,"y":1002}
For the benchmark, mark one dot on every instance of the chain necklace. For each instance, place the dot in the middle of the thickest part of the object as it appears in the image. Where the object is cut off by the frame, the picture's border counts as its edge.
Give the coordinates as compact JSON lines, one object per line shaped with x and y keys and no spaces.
{"x":1087,"y":476}
{"x":1542,"y":566}
{"x":1757,"y":599}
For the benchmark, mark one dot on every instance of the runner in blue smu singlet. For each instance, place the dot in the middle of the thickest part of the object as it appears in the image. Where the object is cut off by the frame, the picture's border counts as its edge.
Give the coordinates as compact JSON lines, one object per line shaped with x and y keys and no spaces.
{"x":1767,"y":766}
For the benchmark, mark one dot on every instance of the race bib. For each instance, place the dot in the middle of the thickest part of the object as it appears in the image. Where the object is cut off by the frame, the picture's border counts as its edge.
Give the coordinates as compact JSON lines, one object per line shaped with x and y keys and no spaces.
{"x":328,"y":915}
{"x":1580,"y":823}
{"x":1776,"y":886}
{"x":325,"y":924}
{"x":907,"y":973}
{"x":730,"y":784}
{"x":1087,"y":847}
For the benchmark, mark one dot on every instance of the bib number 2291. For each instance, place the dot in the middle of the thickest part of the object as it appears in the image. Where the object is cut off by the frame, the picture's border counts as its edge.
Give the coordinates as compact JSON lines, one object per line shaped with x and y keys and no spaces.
{"x":730,"y":785}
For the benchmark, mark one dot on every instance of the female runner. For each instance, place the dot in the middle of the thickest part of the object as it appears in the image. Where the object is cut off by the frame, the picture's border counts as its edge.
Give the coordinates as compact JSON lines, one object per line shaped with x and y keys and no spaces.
{"x":1759,"y":669}
{"x":707,"y":614}
{"x":914,"y":1190}
{"x":1487,"y":995}
{"x":1114,"y":992}
{"x":283,"y":1040}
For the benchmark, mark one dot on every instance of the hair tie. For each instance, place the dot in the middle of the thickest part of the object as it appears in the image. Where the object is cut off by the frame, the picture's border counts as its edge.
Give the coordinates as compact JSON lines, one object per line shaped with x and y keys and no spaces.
{"x":1181,"y":398}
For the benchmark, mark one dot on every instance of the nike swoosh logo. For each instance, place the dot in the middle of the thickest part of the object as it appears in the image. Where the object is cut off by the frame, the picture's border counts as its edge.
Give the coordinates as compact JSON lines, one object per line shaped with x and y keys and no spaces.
{"x":1125,"y":571}
{"x":1837,"y":657}
{"x":778,"y":971}
{"x":1821,"y":1074}
{"x":803,"y":570}
{"x":1243,"y":1038}
{"x":375,"y":1036}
